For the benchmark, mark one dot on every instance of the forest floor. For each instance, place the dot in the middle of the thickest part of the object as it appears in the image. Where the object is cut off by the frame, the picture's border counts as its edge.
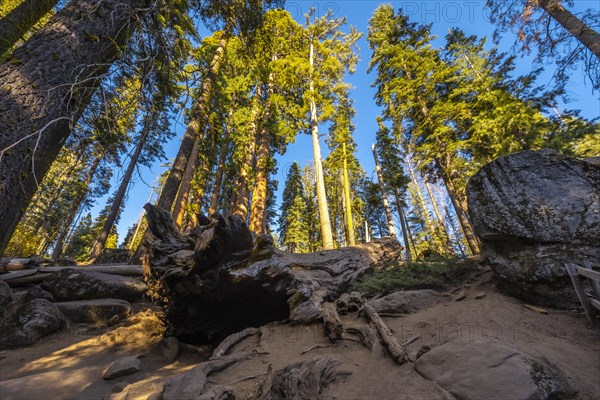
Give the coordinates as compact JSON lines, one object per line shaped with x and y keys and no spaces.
{"x":69,"y":364}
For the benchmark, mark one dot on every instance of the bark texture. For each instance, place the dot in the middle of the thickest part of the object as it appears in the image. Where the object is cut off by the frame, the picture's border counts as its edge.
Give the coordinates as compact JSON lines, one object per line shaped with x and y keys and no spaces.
{"x":20,"y":20}
{"x":217,"y":280}
{"x":64,"y":63}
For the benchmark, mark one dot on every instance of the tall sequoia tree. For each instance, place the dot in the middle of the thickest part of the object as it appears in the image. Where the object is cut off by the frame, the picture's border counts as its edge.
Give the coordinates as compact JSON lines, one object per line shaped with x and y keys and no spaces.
{"x":75,"y":53}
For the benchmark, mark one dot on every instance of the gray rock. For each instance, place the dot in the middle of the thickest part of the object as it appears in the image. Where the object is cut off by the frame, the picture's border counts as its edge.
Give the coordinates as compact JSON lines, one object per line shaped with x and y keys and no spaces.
{"x":476,"y":370}
{"x":535,"y":211}
{"x":37,"y":292}
{"x":6,"y":297}
{"x":70,"y":284}
{"x":30,"y":322}
{"x":122,"y":367}
{"x":169,"y":348}
{"x":98,"y":311}
{"x":409,"y":301}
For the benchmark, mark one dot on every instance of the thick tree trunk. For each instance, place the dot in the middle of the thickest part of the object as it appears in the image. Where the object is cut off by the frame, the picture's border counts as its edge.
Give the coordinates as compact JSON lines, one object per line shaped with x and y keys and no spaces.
{"x":386,"y":203}
{"x":118,"y":200}
{"x":60,"y":241}
{"x":258,"y":212}
{"x":20,"y":20}
{"x":325,"y":222}
{"x":216,"y":191}
{"x":348,"y":202}
{"x":586,"y":35}
{"x":65,"y":62}
{"x":216,"y":281}
{"x":403,"y":223}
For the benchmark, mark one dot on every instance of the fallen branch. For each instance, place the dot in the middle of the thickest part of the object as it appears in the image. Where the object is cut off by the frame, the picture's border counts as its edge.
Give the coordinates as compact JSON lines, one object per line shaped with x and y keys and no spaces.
{"x":333,"y":325}
{"x":230,"y":341}
{"x":316,"y":346}
{"x":398,"y":352}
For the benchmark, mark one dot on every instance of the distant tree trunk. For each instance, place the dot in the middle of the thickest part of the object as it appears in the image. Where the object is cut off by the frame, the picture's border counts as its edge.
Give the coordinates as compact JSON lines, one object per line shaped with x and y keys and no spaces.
{"x":20,"y":20}
{"x":438,"y":215}
{"x":419,"y":195}
{"x":68,"y":221}
{"x":461,"y":214}
{"x":348,"y":201}
{"x":198,"y":121}
{"x":325,"y":222}
{"x":386,"y":204}
{"x":82,"y":40}
{"x":118,"y":200}
{"x":186,"y":182}
{"x":455,"y":233}
{"x":404,"y":224}
{"x":586,"y":35}
{"x":198,"y":197}
{"x":258,"y":212}
{"x":216,"y":191}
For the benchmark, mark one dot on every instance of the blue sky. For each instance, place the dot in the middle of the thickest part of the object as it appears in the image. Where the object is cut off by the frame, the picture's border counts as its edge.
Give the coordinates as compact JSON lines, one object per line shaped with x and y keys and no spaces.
{"x":470,"y":16}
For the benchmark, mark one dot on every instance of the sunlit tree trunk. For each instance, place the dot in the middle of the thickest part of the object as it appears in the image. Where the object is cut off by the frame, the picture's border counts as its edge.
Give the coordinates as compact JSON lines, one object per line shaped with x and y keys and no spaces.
{"x":348,"y":201}
{"x":438,"y":215}
{"x":118,"y":200}
{"x":419,"y":195}
{"x":82,"y":40}
{"x":186,"y":182}
{"x":258,"y":212}
{"x":20,"y":20}
{"x":325,"y":222}
{"x":586,"y":35}
{"x":68,"y":221}
{"x":386,"y":203}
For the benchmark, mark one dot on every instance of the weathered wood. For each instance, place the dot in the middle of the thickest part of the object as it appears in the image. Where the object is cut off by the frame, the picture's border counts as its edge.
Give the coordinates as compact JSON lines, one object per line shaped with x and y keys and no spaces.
{"x":124,"y":270}
{"x":333,"y":325}
{"x":589,"y":273}
{"x":366,"y":336}
{"x":231,"y":340}
{"x":398,"y":352}
{"x":17,"y":274}
{"x":536,"y":309}
{"x":218,"y":279}
{"x":595,"y":303}
{"x":583,"y":299}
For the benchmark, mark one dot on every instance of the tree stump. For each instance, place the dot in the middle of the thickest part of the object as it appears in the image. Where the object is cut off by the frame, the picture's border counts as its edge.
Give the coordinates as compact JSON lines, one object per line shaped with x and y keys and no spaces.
{"x":220,"y":278}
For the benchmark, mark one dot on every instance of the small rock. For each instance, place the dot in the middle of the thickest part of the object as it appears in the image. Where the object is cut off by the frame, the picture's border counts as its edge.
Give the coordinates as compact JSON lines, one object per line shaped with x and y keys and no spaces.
{"x":480,"y":295}
{"x":119,"y":387}
{"x":122,"y":367}
{"x":170,"y":348}
{"x":460,"y":296}
{"x":37,"y":292}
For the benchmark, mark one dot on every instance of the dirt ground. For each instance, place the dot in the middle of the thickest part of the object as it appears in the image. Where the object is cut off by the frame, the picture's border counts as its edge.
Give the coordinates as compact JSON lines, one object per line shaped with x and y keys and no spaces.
{"x":69,"y":364}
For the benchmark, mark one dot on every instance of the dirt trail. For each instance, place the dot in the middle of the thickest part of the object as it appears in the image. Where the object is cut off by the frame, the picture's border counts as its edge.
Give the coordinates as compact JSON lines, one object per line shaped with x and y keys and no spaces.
{"x":65,"y":365}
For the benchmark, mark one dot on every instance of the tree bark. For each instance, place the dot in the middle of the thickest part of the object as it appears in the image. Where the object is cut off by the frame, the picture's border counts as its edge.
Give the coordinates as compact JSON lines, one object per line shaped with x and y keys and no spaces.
{"x":386,"y":203}
{"x":258,"y":212}
{"x":460,"y":212}
{"x":58,"y":247}
{"x":405,"y":231}
{"x":186,"y":182}
{"x":214,"y":198}
{"x":65,"y":62}
{"x":348,"y":201}
{"x":20,"y":20}
{"x":586,"y":35}
{"x":216,"y":280}
{"x":118,"y":200}
{"x":325,"y":222}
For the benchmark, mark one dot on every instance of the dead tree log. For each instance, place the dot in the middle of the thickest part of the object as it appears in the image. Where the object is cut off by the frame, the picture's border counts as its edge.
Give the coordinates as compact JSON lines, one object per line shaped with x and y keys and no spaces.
{"x":219,"y":279}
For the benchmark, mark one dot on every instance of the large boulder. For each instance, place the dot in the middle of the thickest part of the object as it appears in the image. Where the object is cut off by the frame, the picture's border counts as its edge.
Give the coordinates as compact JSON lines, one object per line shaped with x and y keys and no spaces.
{"x":98,"y":311}
{"x":408,"y":301}
{"x":71,"y":284}
{"x":535,"y":211}
{"x":477,"y":370}
{"x":30,"y":322}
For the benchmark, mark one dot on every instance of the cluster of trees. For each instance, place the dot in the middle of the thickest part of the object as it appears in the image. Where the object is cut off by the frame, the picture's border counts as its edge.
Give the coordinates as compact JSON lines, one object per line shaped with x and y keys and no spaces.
{"x":91,"y":89}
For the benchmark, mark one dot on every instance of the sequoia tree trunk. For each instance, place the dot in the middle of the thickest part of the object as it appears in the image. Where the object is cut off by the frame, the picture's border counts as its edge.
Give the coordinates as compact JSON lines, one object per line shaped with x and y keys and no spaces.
{"x":20,"y":20}
{"x":386,"y":203}
{"x":81,"y":41}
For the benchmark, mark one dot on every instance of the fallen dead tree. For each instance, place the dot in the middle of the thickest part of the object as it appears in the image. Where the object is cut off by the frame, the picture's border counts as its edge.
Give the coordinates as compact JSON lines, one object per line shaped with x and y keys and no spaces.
{"x":219,"y":279}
